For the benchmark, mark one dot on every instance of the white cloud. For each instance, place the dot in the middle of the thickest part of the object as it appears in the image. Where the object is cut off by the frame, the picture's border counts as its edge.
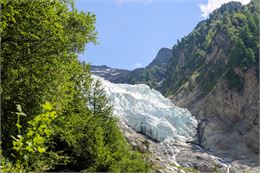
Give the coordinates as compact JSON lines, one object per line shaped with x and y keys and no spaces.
{"x":206,"y":9}
{"x":145,"y":2}
{"x":138,"y":65}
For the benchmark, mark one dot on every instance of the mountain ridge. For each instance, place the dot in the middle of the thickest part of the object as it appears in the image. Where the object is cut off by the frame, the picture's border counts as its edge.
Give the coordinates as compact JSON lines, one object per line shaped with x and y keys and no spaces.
{"x":108,"y":73}
{"x":214,"y":72}
{"x":152,"y":74}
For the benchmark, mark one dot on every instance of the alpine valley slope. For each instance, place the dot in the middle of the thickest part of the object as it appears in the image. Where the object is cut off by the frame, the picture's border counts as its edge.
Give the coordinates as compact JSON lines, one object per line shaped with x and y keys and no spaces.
{"x":214,"y":72}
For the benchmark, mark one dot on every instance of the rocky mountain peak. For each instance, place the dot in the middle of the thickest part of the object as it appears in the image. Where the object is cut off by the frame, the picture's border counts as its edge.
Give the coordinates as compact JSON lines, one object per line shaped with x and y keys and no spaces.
{"x":162,"y":57}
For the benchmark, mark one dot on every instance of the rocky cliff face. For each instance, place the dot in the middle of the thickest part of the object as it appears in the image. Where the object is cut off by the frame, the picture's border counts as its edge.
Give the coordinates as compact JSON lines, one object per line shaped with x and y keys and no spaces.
{"x":229,"y":120}
{"x":218,"y":82}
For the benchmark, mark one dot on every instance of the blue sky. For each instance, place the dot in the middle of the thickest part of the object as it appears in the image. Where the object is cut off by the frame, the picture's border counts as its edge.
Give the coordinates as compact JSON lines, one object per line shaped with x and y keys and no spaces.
{"x":131,"y":32}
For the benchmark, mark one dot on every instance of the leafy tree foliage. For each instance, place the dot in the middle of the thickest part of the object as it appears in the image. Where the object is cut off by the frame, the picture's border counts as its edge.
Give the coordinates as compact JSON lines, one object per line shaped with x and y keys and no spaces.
{"x":40,"y":40}
{"x":94,"y":141}
{"x":32,"y":149}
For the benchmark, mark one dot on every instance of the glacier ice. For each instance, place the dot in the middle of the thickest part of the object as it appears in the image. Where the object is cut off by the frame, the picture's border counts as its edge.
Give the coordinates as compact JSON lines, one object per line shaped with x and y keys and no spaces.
{"x":148,"y":112}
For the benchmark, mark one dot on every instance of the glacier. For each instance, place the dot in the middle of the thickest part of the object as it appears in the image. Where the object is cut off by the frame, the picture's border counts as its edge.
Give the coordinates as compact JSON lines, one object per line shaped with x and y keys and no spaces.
{"x":148,"y":112}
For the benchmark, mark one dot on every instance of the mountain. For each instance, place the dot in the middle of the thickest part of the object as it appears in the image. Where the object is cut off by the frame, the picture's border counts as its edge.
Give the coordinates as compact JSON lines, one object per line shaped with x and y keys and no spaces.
{"x":153,"y":74}
{"x":108,"y":73}
{"x":162,"y":58}
{"x":163,"y":132}
{"x":214,"y":72}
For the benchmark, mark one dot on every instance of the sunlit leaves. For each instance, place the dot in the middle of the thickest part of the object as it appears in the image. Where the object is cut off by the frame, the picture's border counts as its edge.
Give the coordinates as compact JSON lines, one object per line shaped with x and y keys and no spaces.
{"x":39,"y":133}
{"x":40,"y":41}
{"x":47,"y":106}
{"x":39,"y":45}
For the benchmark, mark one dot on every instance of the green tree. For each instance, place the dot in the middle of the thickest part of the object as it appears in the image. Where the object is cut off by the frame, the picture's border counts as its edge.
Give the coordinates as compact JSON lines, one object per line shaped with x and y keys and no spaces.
{"x":39,"y":43}
{"x":93,"y":138}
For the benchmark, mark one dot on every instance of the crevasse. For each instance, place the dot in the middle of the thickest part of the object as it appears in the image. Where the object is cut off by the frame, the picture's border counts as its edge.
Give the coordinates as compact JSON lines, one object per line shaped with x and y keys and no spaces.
{"x":148,"y":112}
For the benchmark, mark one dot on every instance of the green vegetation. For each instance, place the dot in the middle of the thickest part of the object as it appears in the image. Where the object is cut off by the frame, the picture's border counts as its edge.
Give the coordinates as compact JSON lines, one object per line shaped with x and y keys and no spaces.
{"x":218,"y":49}
{"x":153,"y":74}
{"x":54,"y":117}
{"x":149,"y":75}
{"x":188,"y":169}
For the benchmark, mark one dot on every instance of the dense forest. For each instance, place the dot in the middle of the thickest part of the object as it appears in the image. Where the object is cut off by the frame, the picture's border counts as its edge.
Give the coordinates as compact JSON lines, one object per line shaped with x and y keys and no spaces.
{"x":54,"y":117}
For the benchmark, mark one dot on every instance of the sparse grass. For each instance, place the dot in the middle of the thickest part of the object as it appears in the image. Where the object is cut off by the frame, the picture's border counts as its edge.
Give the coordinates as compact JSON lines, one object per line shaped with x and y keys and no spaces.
{"x":185,"y":168}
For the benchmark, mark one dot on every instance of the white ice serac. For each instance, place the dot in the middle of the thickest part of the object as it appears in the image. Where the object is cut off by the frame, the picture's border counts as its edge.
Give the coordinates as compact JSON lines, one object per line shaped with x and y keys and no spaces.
{"x":147,"y":111}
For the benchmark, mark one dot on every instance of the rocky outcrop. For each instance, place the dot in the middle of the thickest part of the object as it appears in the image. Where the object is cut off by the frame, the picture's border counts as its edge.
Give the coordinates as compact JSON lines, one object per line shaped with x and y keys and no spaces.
{"x":229,"y":120}
{"x":237,"y":114}
{"x":227,"y":117}
{"x":218,"y":82}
